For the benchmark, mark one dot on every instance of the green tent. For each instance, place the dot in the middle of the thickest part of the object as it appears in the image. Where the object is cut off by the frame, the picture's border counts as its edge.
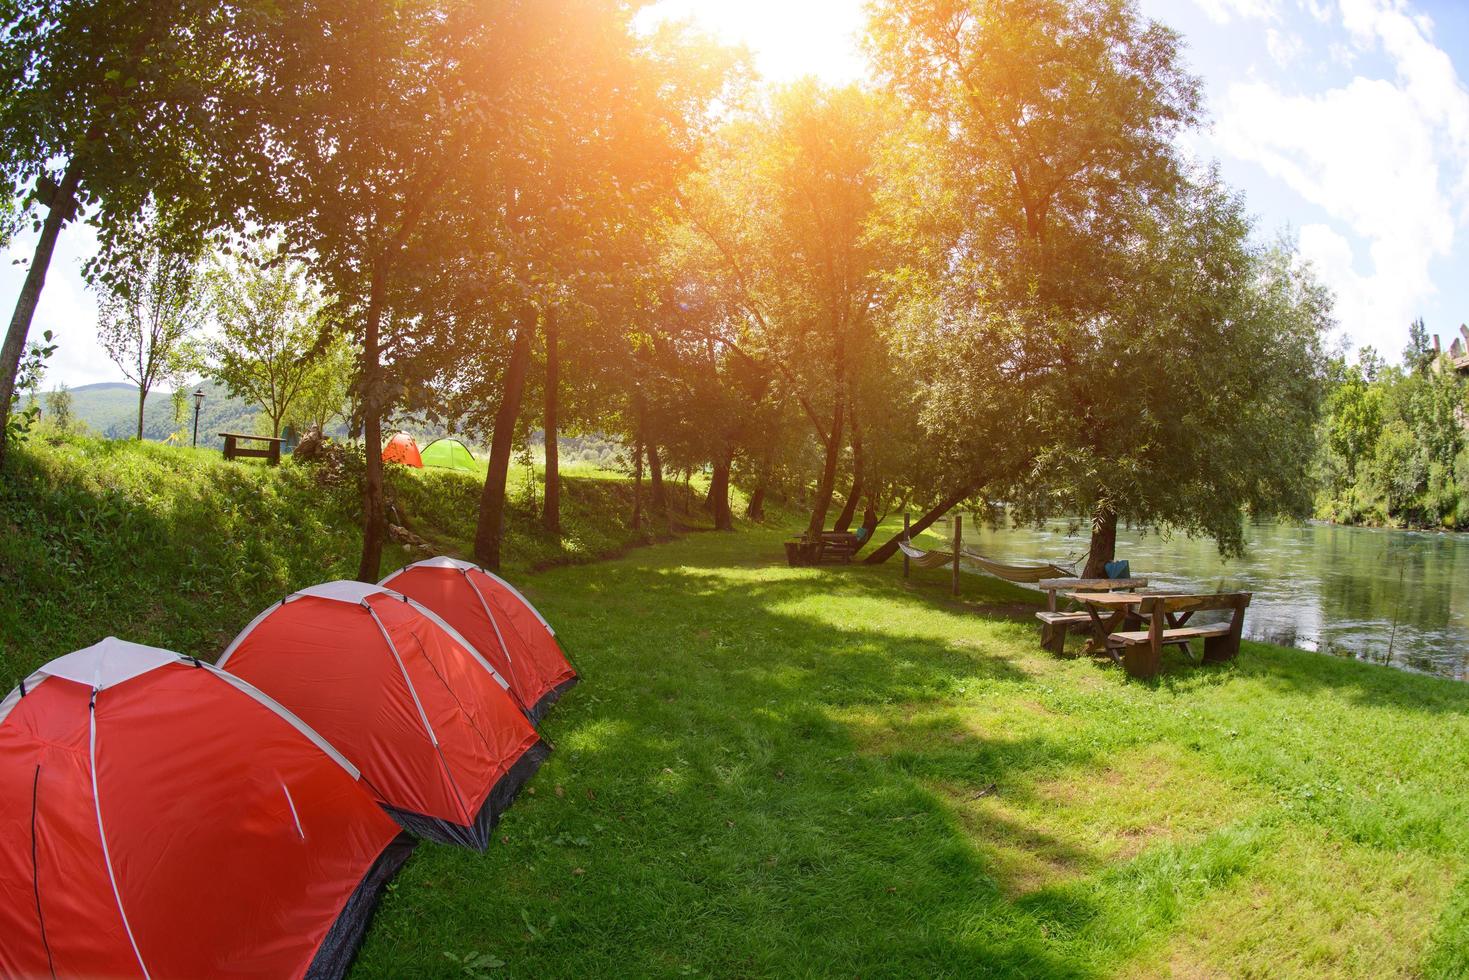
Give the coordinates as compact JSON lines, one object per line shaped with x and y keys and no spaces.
{"x":450,"y":454}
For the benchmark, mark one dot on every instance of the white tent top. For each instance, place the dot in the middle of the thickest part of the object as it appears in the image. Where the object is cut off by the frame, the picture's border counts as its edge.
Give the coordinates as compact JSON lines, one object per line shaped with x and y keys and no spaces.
{"x":342,"y":591}
{"x":110,"y":662}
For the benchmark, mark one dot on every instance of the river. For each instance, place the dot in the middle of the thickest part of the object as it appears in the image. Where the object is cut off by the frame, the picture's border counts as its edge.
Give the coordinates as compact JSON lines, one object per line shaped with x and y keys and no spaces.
{"x":1390,"y":597}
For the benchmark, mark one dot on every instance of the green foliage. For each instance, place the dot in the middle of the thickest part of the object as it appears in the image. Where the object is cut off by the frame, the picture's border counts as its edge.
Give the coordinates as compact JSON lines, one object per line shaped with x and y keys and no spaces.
{"x":1394,"y":449}
{"x":269,"y":320}
{"x":178,"y":548}
{"x":110,"y":409}
{"x":18,"y":421}
{"x":151,"y":306}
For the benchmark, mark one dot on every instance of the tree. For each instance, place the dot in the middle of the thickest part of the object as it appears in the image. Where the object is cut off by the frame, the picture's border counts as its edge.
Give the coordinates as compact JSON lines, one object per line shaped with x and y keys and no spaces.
{"x":325,"y":395}
{"x":1196,"y":399}
{"x":107,"y":105}
{"x":784,"y":203}
{"x":1419,"y":355}
{"x":1056,"y":123}
{"x":267,"y":311}
{"x":152,"y":303}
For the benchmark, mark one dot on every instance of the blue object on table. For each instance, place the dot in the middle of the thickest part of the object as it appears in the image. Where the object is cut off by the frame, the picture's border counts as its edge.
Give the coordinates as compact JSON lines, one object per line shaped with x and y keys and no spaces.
{"x":1118,"y":569}
{"x":861,"y":534}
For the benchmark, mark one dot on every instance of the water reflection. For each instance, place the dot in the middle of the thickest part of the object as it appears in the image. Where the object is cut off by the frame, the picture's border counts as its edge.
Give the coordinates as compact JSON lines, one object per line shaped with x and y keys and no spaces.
{"x":1393,"y":597}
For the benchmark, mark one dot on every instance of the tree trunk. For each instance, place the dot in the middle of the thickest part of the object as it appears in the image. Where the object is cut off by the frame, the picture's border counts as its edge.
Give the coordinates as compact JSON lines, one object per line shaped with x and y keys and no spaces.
{"x":488,"y":533}
{"x":655,"y":478}
{"x":142,"y":403}
{"x":30,"y":291}
{"x":637,"y":488}
{"x":1104,"y":542}
{"x":374,"y":511}
{"x":849,"y":508}
{"x":827,"y":486}
{"x":923,"y":523}
{"x":551,"y":518}
{"x":719,"y":495}
{"x":869,"y":524}
{"x":755,"y":509}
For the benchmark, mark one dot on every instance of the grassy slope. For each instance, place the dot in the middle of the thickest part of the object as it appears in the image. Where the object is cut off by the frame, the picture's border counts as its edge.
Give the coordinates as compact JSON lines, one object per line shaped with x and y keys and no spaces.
{"x":797,"y":772}
{"x":178,"y":548}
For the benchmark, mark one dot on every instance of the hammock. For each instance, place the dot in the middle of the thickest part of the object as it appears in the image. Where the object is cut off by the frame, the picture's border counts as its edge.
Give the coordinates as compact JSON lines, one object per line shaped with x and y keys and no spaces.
{"x":1023,"y":574}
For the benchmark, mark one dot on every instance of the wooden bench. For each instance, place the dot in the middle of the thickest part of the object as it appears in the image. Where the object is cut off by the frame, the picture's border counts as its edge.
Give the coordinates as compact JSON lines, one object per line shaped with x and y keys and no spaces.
{"x":831,"y":548}
{"x":271,"y":453}
{"x":1054,"y":626}
{"x":1168,"y":616}
{"x":837,"y":548}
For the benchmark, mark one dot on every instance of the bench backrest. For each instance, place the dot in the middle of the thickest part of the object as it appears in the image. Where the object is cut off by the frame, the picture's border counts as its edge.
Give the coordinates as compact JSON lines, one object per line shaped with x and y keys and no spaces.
{"x":1195,"y":603}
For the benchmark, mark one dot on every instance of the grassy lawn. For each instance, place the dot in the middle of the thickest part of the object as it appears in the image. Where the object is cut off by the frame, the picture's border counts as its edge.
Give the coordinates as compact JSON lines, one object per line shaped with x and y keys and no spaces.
{"x":832,"y":772}
{"x":809,"y":772}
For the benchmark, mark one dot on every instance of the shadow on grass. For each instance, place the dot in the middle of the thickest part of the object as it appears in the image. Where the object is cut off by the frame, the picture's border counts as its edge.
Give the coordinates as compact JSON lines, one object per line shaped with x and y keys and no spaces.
{"x":714,"y":806}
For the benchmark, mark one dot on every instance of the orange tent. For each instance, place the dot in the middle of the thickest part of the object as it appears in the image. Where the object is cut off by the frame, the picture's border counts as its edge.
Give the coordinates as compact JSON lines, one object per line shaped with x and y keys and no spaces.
{"x":490,"y":613}
{"x":402,"y":449}
{"x":159,"y":817}
{"x":439,"y":739}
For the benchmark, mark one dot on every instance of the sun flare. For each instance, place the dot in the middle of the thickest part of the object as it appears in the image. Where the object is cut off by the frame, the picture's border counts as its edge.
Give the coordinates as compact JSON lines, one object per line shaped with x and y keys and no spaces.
{"x":787,"y":39}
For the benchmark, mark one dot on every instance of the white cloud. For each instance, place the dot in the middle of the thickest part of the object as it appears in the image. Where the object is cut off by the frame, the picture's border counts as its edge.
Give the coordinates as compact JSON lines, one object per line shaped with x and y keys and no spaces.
{"x":67,"y":307}
{"x":1223,"y":11}
{"x":1385,"y":159}
{"x":1285,"y":48}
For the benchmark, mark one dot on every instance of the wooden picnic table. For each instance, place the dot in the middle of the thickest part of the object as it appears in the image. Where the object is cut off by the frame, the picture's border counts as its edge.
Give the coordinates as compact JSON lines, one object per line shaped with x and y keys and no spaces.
{"x":1055,"y":585}
{"x":1166,"y":618}
{"x":1117,"y":606}
{"x":1054,"y":623}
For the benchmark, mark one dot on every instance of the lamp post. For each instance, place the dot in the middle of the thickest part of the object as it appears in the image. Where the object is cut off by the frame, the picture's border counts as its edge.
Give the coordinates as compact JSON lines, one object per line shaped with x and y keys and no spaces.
{"x":198,"y":404}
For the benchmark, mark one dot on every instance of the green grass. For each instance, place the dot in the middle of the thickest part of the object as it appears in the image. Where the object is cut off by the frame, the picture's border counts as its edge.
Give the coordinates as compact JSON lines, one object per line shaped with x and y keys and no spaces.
{"x":800,"y":772}
{"x":797,"y":772}
{"x":178,"y":548}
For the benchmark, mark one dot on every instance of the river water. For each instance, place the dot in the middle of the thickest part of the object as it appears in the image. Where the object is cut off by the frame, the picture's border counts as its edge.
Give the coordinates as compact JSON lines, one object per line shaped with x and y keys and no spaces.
{"x":1390,"y":597}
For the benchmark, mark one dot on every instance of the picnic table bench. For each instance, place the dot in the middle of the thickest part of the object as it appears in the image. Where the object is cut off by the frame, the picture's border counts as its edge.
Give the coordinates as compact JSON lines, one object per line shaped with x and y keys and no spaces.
{"x":1166,"y":618}
{"x":830,"y":548}
{"x":233,"y":450}
{"x":1055,"y":623}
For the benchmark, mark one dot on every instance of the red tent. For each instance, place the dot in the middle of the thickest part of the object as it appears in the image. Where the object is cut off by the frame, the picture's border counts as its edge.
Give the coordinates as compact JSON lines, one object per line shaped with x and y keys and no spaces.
{"x":159,"y":817}
{"x":402,"y":449}
{"x":438,"y":738}
{"x":499,"y":621}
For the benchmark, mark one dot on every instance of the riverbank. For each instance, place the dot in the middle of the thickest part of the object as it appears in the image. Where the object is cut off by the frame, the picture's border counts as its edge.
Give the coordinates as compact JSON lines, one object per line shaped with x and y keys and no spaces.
{"x":784,"y":772}
{"x":1399,"y":598}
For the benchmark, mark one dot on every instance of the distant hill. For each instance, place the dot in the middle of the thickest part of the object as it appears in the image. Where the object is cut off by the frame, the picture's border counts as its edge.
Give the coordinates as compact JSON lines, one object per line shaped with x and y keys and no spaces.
{"x":110,"y":409}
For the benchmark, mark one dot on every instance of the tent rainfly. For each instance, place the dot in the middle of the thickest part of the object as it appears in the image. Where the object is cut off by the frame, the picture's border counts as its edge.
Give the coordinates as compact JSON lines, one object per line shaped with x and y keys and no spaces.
{"x":450,"y":454}
{"x":490,"y":613}
{"x":440,"y":740}
{"x":163,"y":818}
{"x":402,"y":449}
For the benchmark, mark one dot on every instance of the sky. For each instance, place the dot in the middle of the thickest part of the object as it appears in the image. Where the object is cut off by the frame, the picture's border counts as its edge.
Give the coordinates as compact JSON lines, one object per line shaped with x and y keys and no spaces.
{"x":1344,"y":122}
